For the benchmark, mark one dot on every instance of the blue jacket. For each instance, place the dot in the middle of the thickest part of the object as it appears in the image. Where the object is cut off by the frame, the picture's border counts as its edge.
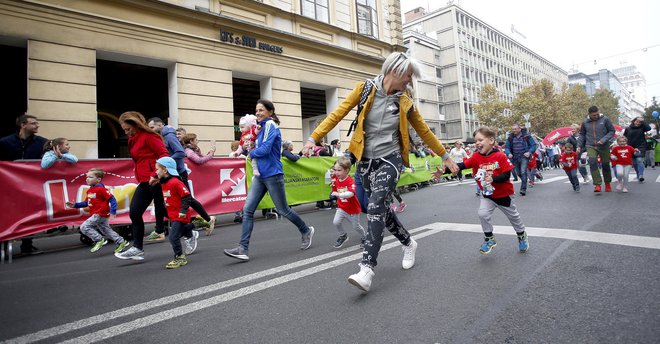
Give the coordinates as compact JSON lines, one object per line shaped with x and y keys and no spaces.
{"x":13,"y":148}
{"x":174,"y":147}
{"x":267,"y":153}
{"x":50,"y":158}
{"x":528,"y":142}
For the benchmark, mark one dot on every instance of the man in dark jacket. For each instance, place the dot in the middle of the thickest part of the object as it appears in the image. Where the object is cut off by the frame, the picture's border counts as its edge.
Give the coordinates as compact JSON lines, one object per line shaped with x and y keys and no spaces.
{"x":596,"y":132}
{"x":519,"y":148}
{"x":24,"y":144}
{"x":635,"y":135}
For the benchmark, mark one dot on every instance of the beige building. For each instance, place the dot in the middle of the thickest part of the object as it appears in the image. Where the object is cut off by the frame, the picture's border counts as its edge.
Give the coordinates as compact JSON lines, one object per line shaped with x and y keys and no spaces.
{"x":200,"y":64}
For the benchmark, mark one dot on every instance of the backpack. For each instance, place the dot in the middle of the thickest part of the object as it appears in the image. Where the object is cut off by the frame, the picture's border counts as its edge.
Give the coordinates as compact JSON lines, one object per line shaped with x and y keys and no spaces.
{"x":366,"y":90}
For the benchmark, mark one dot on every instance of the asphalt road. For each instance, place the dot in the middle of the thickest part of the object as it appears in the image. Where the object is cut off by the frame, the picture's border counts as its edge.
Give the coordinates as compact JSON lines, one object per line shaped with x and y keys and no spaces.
{"x":590,"y":276}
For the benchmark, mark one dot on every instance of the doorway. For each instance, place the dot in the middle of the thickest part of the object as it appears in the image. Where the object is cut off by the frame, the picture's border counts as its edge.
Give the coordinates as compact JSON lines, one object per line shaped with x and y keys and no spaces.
{"x":246,"y":93}
{"x":13,"y":92}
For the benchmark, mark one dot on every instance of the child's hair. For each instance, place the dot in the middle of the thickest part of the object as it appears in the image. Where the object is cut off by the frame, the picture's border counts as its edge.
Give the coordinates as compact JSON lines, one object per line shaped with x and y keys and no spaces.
{"x":248,"y":120}
{"x":344,"y":163}
{"x":187,"y":138}
{"x":488,"y":132}
{"x":287,"y":145}
{"x":621,"y":138}
{"x":51,"y":144}
{"x":234,"y":145}
{"x":568,"y":146}
{"x":97,"y":172}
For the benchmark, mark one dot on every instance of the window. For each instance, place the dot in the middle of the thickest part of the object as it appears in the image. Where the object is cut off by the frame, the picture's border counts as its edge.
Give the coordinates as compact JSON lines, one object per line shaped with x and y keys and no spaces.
{"x":367,"y":18}
{"x":317,"y":9}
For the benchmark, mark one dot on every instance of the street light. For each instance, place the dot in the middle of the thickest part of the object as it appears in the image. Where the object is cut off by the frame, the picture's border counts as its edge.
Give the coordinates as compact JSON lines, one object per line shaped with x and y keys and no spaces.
{"x":527,"y":124}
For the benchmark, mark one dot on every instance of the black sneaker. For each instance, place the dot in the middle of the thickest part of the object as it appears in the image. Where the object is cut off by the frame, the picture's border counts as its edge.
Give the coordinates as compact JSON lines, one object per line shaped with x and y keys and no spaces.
{"x":641,"y":179}
{"x":523,"y":192}
{"x":341,"y":240}
{"x":238,"y":252}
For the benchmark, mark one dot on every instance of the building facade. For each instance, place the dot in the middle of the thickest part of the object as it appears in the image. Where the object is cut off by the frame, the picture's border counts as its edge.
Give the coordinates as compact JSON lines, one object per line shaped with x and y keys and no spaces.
{"x":471,"y":54}
{"x":199,"y":64}
{"x":634,"y":81}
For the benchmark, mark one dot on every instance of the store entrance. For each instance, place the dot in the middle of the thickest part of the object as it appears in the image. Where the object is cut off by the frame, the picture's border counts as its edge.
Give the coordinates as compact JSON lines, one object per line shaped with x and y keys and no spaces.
{"x":125,"y":87}
{"x":13,"y":92}
{"x":246,"y":93}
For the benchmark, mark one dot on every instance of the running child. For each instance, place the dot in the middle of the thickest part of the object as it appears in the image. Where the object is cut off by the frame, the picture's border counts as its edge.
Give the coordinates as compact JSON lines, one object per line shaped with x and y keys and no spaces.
{"x":532,"y":170}
{"x":177,"y":202}
{"x":57,"y":150}
{"x":495,"y":185}
{"x":348,"y":205}
{"x":569,"y":161}
{"x":102,"y":206}
{"x":622,"y":157}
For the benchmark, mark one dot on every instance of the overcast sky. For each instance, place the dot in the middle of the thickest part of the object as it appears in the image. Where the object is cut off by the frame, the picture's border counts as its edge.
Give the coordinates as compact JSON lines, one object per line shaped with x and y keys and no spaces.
{"x":577,"y":32}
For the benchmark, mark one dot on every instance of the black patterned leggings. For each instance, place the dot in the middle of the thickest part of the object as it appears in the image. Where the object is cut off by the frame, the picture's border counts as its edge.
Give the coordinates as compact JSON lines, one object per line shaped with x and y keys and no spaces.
{"x":379,"y":178}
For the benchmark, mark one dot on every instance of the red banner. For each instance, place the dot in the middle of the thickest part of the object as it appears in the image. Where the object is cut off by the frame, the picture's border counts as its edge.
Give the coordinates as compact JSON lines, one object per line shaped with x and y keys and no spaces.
{"x":32,"y":199}
{"x":562,"y":132}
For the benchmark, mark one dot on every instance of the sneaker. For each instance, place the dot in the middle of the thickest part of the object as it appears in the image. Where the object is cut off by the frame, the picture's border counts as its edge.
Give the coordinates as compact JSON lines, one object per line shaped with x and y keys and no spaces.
{"x":402,"y":206}
{"x":625,"y":189}
{"x":153,"y":236}
{"x":523,"y":243}
{"x":393,"y":206}
{"x":363,"y":240}
{"x":597,"y":188}
{"x":341,"y":240}
{"x":488,"y":245}
{"x":523,"y":192}
{"x":531,"y":184}
{"x":539,"y":176}
{"x":608,"y":187}
{"x":132,"y":253}
{"x":238,"y":252}
{"x":619,"y":186}
{"x":409,"y":254}
{"x":477,"y":194}
{"x":97,"y":246}
{"x":199,"y":222}
{"x":211,"y":227}
{"x":307,"y":239}
{"x":577,"y":187}
{"x":191,"y":243}
{"x":178,"y":262}
{"x":120,"y":247}
{"x":362,"y":279}
{"x":641,"y":179}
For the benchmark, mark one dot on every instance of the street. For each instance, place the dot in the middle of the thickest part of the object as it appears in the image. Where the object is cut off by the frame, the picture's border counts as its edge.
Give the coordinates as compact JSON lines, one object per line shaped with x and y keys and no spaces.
{"x":590,"y":276}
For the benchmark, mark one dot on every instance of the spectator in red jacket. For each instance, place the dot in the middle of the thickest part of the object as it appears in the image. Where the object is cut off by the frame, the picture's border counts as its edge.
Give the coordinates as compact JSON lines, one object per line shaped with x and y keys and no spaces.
{"x":145,"y":147}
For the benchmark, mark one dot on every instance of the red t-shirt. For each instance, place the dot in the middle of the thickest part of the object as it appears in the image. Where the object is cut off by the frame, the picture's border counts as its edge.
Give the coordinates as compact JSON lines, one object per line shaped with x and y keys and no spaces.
{"x":532,"y":161}
{"x":249,"y":135}
{"x":97,"y":200}
{"x":624,"y":155}
{"x":495,"y":164}
{"x":571,"y":159}
{"x":173,"y":190}
{"x":350,"y":205}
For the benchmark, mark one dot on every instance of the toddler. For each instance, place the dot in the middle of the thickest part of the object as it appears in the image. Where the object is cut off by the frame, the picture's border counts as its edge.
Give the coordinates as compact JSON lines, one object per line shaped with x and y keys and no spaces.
{"x":569,"y":161}
{"x":249,"y":130}
{"x":348,"y":205}
{"x":622,"y":157}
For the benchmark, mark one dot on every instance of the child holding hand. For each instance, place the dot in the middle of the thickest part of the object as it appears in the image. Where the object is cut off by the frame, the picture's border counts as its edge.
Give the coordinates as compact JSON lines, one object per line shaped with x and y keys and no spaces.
{"x":348,"y":205}
{"x":56,"y":150}
{"x":622,"y":154}
{"x":569,"y":162}
{"x":102,"y":205}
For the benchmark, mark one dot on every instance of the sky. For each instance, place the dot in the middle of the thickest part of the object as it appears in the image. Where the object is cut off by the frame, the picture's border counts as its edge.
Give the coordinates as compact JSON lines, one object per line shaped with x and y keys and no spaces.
{"x":572,"y":34}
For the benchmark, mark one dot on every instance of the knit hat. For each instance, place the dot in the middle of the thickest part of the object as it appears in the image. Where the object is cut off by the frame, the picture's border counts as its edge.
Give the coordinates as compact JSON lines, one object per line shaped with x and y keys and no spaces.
{"x":169,"y":164}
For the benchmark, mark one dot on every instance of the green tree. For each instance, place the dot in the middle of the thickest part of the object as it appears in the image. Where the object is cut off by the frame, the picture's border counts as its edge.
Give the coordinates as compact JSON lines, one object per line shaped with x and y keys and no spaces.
{"x":542,"y":103}
{"x":607,"y":103}
{"x":490,"y":110}
{"x":574,"y":104}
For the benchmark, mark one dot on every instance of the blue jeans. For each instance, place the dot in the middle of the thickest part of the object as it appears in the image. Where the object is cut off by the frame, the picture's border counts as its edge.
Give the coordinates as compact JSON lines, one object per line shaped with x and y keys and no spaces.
{"x":177,"y":231}
{"x":520,"y":165}
{"x":275,"y":187}
{"x":638,"y":164}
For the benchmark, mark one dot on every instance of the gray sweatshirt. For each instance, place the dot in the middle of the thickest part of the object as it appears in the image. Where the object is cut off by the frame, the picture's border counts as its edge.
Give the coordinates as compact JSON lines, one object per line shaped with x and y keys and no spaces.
{"x":381,"y":124}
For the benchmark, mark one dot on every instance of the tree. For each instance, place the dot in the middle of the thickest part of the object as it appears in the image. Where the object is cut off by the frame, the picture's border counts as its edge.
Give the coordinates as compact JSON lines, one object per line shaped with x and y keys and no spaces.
{"x":607,"y":103}
{"x":490,"y":110}
{"x":574,"y":104}
{"x":543,"y":105}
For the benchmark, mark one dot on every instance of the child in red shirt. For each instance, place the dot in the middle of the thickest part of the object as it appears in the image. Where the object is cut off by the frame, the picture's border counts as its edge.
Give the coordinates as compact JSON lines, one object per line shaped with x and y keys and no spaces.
{"x":177,"y":202}
{"x":102,"y":205}
{"x":569,"y":162}
{"x":348,"y":205}
{"x":494,"y":169}
{"x":532,"y":171}
{"x":622,"y":159}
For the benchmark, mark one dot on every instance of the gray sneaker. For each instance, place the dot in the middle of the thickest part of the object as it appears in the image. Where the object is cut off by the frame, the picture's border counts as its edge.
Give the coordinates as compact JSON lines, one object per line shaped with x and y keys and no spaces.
{"x":132,"y":253}
{"x":307,"y":239}
{"x":238,"y":252}
{"x":191,"y":243}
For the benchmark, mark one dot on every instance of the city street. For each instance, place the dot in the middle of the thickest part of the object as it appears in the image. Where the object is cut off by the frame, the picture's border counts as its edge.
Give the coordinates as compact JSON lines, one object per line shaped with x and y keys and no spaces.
{"x":590,"y":276}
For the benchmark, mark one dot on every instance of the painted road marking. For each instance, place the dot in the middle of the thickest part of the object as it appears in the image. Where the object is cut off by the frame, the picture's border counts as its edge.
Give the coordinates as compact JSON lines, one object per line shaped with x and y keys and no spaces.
{"x":420,"y":232}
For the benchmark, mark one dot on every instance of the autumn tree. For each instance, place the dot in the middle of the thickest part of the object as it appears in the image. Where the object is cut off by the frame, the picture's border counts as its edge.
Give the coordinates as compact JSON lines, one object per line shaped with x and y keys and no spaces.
{"x":542,"y":103}
{"x":490,"y":110}
{"x":574,"y":104}
{"x":607,"y":103}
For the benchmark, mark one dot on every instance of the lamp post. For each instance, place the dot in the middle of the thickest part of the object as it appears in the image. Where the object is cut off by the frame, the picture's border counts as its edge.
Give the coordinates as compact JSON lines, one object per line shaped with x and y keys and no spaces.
{"x":527,"y":124}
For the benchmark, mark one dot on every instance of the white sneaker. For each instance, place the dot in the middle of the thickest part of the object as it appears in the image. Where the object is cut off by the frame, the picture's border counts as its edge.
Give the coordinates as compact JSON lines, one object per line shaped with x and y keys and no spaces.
{"x":409,"y":254}
{"x":362,"y":279}
{"x":191,"y":243}
{"x":132,"y":253}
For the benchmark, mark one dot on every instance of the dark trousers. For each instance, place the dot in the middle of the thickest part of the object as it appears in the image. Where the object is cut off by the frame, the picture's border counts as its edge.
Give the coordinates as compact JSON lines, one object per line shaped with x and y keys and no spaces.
{"x":379,"y":178}
{"x":194,"y":204}
{"x":144,"y":194}
{"x":178,"y":230}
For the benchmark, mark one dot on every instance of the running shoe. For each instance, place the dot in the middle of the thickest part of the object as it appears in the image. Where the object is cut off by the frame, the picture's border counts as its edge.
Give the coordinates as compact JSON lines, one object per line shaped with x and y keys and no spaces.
{"x":523,"y":243}
{"x":178,"y":262}
{"x":132,"y":253}
{"x":409,"y":254}
{"x":608,"y":187}
{"x":362,"y":279}
{"x":341,"y":240}
{"x":153,"y":236}
{"x":191,"y":243}
{"x":97,"y":246}
{"x":211,"y":227}
{"x":120,"y":247}
{"x":238,"y":252}
{"x":488,"y":245}
{"x":307,"y":239}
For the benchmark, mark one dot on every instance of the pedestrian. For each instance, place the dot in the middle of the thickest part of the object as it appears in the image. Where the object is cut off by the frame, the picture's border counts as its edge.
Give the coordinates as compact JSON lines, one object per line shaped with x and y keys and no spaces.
{"x":636,"y":139}
{"x":57,"y":150}
{"x":348,"y":205}
{"x":24,"y":144}
{"x":176,"y":152}
{"x":177,"y":202}
{"x":180,"y":133}
{"x":596,"y":132}
{"x":102,"y":207}
{"x":532,"y":170}
{"x":623,"y":155}
{"x":193,"y":152}
{"x":380,"y":145}
{"x":519,"y":148}
{"x":573,"y":139}
{"x":145,"y":147}
{"x":569,"y":161}
{"x":458,"y":154}
{"x":269,"y":179}
{"x":287,"y":149}
{"x":335,"y":147}
{"x":649,"y":156}
{"x":495,"y":168}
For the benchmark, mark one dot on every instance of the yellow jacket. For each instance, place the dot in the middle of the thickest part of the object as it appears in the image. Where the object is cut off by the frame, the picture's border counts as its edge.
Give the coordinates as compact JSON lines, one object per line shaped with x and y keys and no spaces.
{"x":356,"y":145}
